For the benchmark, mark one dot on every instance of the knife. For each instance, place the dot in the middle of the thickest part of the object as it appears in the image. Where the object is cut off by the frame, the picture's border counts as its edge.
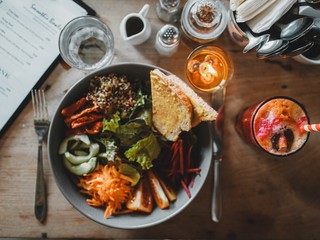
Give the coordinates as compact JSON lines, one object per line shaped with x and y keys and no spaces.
{"x":217,"y":102}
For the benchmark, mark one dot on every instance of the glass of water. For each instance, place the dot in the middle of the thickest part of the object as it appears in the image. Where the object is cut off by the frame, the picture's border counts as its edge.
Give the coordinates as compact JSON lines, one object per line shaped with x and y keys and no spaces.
{"x":86,"y":43}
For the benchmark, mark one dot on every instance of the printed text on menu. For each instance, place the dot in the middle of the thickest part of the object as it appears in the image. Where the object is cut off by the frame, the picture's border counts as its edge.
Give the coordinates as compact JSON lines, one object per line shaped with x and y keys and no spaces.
{"x":29,"y":32}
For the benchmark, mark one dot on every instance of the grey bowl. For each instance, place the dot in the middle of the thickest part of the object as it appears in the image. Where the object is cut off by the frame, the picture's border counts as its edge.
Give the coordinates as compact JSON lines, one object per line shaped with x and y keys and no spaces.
{"x":71,"y":191}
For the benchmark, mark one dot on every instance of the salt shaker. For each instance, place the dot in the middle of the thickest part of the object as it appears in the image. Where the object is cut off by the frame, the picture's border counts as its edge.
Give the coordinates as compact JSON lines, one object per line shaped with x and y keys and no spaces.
{"x":167,"y":40}
{"x":204,"y":20}
{"x":168,"y":10}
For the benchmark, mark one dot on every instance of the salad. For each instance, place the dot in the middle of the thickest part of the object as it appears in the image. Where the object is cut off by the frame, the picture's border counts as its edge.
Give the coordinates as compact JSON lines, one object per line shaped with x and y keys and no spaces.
{"x":122,"y":162}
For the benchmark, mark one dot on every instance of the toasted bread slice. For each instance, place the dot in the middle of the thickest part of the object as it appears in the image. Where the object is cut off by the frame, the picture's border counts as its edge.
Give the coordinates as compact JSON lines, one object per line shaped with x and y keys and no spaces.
{"x":202,"y":111}
{"x":171,"y":108}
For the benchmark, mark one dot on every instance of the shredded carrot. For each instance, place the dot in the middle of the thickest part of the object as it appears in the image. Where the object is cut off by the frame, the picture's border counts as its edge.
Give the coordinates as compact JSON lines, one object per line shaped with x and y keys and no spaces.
{"x":107,"y":187}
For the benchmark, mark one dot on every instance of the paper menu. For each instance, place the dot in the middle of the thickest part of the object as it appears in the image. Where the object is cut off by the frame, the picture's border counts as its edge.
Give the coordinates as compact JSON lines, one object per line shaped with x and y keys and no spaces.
{"x":29,"y":32}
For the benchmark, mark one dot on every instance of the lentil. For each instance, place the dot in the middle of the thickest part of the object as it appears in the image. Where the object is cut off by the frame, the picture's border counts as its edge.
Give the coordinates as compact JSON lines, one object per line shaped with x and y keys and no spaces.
{"x":112,"y":93}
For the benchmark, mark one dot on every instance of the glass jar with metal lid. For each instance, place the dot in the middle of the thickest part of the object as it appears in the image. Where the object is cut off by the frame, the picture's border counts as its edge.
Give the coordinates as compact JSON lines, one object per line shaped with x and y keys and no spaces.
{"x":168,"y":10}
{"x":204,"y":20}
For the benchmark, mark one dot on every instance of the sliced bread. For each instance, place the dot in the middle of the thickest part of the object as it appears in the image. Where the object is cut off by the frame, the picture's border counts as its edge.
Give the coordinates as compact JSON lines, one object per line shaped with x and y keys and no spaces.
{"x":202,"y":111}
{"x":171,"y":108}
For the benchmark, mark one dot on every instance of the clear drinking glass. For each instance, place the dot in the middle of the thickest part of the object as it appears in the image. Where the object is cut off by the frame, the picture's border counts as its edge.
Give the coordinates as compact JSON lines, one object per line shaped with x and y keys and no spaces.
{"x":86,"y":43}
{"x":209,"y":68}
{"x":274,"y":125}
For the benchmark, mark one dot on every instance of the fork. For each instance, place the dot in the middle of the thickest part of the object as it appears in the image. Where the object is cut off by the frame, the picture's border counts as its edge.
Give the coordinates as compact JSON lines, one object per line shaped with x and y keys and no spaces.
{"x":41,"y":125}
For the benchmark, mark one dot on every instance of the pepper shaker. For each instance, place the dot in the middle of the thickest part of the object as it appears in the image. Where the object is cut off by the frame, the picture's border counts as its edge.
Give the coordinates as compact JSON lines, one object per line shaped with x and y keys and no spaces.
{"x":167,"y":40}
{"x":168,"y":10}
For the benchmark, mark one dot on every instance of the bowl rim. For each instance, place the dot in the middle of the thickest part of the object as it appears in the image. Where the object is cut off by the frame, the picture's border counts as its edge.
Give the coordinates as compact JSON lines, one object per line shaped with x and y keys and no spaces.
{"x":201,"y":180}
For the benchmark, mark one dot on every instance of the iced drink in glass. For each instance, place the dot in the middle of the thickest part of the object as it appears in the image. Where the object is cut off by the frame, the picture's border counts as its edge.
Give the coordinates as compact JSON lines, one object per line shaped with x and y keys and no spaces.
{"x":274,"y":125}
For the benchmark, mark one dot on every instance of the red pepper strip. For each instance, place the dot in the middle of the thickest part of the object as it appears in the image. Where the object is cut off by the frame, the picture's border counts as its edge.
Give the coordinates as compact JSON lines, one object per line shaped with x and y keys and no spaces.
{"x":81,"y":114}
{"x":174,"y":165}
{"x":194,"y":170}
{"x":181,"y":157}
{"x":165,"y":144}
{"x":175,"y":152}
{"x":188,"y":163}
{"x":185,"y":188}
{"x":94,"y":128}
{"x":174,"y":168}
{"x":174,"y":145}
{"x":190,"y":170}
{"x":192,"y":181}
{"x":85,"y":120}
{"x":173,"y":159}
{"x":189,"y":157}
{"x":70,"y":110}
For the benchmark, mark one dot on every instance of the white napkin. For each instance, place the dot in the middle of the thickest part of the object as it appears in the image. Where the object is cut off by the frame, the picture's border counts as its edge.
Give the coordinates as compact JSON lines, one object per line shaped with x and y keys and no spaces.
{"x":234,"y":4}
{"x":251,"y":8}
{"x":264,"y":20}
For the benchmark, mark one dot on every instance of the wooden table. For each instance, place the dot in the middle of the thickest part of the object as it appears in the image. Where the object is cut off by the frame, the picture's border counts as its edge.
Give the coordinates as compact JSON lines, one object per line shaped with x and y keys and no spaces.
{"x":263,"y":197}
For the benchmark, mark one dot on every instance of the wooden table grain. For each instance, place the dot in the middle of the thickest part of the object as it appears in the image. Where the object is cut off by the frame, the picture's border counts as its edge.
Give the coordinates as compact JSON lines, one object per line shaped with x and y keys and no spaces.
{"x":264,"y":197}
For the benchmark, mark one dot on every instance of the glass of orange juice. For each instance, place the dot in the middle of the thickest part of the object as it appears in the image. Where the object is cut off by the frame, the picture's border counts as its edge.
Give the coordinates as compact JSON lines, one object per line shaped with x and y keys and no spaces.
{"x":209,"y":68}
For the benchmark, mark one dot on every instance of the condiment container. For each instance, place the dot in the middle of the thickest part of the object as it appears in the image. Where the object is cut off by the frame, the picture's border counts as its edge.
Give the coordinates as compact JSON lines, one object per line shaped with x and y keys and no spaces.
{"x":167,"y":40}
{"x":204,"y":20}
{"x":168,"y":10}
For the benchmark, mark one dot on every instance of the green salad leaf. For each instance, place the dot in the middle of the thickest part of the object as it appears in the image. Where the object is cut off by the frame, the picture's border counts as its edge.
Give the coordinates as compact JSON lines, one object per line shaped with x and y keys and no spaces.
{"x":146,"y":115}
{"x":129,"y":171}
{"x":131,"y":132}
{"x":144,"y":151}
{"x":143,"y":101}
{"x":109,"y":151}
{"x":112,"y":124}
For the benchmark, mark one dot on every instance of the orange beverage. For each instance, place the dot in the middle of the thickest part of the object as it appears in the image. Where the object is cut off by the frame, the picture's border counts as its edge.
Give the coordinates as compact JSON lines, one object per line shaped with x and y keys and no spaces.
{"x":209,"y":68}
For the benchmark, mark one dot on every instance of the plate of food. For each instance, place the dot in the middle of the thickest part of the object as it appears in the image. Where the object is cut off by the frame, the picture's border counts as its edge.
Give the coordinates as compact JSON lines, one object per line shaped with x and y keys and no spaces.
{"x":129,"y":145}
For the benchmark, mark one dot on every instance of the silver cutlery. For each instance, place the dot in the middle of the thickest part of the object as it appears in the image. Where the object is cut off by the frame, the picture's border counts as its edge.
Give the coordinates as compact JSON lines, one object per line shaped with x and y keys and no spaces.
{"x":280,"y":38}
{"x":290,"y":34}
{"x":296,"y":48}
{"x":296,"y":28}
{"x":217,"y":101}
{"x":310,"y":3}
{"x":254,"y":41}
{"x":272,"y":48}
{"x":41,"y":125}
